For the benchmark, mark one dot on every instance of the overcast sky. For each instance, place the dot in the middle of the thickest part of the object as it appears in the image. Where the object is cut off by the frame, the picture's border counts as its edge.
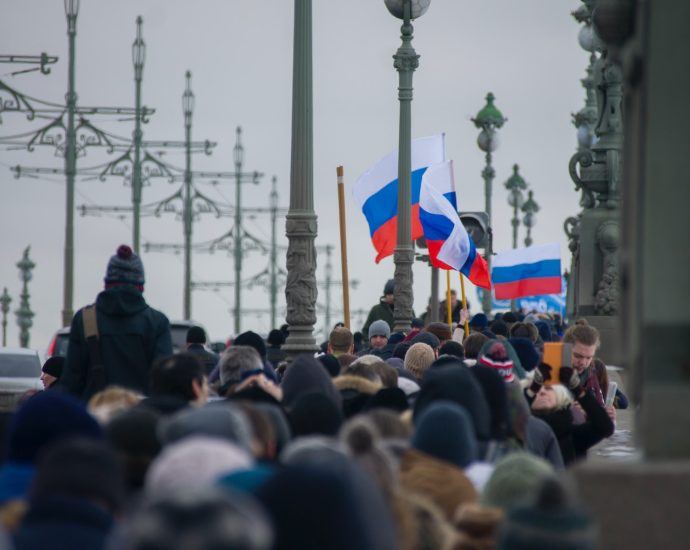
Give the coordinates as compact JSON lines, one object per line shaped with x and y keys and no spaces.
{"x":240,"y":56}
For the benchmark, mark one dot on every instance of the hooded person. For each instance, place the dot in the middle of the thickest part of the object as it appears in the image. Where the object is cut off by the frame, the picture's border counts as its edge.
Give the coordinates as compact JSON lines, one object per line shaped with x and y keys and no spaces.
{"x":75,"y":497}
{"x":306,"y":375}
{"x":383,"y":310}
{"x":41,"y":421}
{"x":126,"y":335}
{"x":443,"y":445}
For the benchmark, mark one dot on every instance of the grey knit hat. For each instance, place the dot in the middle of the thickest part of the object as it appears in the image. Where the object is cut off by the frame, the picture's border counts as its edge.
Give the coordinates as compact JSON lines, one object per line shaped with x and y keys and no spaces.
{"x":125,"y":267}
{"x":379,"y":328}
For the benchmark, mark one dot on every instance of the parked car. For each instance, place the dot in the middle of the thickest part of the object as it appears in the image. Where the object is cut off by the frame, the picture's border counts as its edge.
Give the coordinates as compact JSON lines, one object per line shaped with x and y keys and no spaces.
{"x":58,"y":345}
{"x":20,"y":371}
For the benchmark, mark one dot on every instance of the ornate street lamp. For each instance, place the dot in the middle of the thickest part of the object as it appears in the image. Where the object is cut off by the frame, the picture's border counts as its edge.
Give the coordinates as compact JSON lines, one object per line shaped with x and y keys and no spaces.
{"x":71,"y":11}
{"x":138,"y":58}
{"x":530,"y":208}
{"x":24,"y":313}
{"x":406,"y":61}
{"x":5,"y":300}
{"x":187,"y":109}
{"x":300,"y":224}
{"x":488,"y":120}
{"x":515,"y":185}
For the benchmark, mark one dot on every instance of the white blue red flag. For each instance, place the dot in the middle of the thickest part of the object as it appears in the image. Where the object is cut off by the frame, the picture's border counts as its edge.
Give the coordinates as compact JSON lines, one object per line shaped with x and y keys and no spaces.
{"x":449,"y":245}
{"x":376,"y":192}
{"x":531,"y":271}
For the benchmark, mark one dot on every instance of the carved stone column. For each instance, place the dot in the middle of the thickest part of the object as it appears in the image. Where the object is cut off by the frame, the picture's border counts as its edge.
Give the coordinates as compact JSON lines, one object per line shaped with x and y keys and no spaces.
{"x":300,"y":227}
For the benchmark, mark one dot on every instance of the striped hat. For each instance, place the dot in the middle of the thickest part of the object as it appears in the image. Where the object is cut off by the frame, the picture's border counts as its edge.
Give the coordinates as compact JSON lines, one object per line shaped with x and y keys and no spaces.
{"x":496,"y":356}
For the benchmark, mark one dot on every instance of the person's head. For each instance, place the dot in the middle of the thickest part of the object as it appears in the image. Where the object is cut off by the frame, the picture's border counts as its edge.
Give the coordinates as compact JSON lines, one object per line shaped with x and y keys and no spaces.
{"x":252,"y":339}
{"x":389,"y":291}
{"x":479,"y":322}
{"x":195,"y":335}
{"x":125,"y":268}
{"x":52,"y":370}
{"x":340,"y":341}
{"x":237,"y":360}
{"x":364,"y":368}
{"x":453,"y":298}
{"x":418,"y":359}
{"x":379,"y":332}
{"x":113,"y":400}
{"x":552,"y":397}
{"x":440,"y":330}
{"x":451,"y":347}
{"x":585,"y":341}
{"x":275,"y":338}
{"x":473,"y":344}
{"x":181,"y":375}
{"x":524,"y":330}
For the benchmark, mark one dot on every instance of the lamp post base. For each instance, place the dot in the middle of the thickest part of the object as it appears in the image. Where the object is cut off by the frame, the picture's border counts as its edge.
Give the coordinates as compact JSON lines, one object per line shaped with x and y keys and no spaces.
{"x":403,"y":256}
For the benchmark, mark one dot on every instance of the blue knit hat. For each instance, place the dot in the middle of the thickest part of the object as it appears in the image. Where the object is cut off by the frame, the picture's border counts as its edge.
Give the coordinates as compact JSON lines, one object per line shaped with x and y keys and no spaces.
{"x":479,"y":321}
{"x":125,"y":267}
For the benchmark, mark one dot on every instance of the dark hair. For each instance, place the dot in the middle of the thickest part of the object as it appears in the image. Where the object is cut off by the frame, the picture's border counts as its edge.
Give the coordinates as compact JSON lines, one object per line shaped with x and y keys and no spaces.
{"x":196,"y":335}
{"x":473,"y":344}
{"x":524,"y":330}
{"x":499,"y":328}
{"x":451,"y":347}
{"x":276,"y":338}
{"x":173,"y":375}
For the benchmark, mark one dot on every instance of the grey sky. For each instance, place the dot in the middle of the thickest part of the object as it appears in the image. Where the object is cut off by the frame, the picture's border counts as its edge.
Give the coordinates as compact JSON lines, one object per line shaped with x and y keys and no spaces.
{"x":240,"y":55}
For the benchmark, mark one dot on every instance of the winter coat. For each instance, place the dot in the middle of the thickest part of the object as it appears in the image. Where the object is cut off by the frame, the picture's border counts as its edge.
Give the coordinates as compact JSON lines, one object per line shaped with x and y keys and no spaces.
{"x":382,"y":310}
{"x":61,"y":523}
{"x":575,"y":439}
{"x":132,"y":336}
{"x":208,"y":358}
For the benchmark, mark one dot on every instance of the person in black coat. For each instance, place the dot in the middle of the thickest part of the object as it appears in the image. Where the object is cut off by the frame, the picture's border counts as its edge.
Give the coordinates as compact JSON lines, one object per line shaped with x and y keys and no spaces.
{"x":578,"y":423}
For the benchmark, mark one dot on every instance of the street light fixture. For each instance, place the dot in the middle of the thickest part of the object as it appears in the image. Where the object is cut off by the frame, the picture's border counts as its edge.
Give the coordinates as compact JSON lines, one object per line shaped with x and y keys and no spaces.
{"x":530,"y":208}
{"x":406,"y":61}
{"x":71,"y":11}
{"x":24,"y":313}
{"x":488,"y":120}
{"x":5,"y":300}
{"x":187,"y":109}
{"x":515,"y":185}
{"x":138,"y":58}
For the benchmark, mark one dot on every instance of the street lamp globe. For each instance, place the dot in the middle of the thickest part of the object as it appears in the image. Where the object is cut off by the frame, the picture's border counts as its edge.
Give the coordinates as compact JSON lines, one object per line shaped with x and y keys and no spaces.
{"x":516,"y":198}
{"x":530,"y":219}
{"x":417,"y":8}
{"x":488,"y":141}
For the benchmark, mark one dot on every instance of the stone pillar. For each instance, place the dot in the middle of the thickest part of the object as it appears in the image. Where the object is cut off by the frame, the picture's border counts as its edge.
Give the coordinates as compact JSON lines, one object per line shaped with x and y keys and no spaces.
{"x":300,"y":226}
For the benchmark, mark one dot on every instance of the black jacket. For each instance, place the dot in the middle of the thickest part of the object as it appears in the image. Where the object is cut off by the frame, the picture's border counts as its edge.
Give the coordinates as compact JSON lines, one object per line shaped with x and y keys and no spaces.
{"x":132,"y":336}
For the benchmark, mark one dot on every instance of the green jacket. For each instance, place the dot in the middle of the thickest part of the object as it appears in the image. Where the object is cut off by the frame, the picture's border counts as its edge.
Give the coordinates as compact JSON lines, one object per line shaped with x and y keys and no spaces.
{"x":382,"y":310}
{"x":132,"y":336}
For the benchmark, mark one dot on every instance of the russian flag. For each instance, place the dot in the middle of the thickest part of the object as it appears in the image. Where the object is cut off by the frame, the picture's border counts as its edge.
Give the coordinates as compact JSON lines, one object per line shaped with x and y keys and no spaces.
{"x":376,"y":192}
{"x":531,"y":271}
{"x":449,"y":245}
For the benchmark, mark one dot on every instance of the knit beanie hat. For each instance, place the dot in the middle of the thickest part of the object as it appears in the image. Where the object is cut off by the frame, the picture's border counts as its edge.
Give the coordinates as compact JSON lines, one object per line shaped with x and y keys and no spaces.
{"x":330,"y":363}
{"x":427,"y":338}
{"x":252,"y":339}
{"x":526,"y":352}
{"x":418,"y":359}
{"x":125,"y":267}
{"x":221,"y":420}
{"x":193,"y":464}
{"x":196,"y":335}
{"x":44,"y":419}
{"x":444,"y":430}
{"x":54,"y":365}
{"x":517,"y":476}
{"x":82,"y":468}
{"x":479,"y":321}
{"x":379,"y":328}
{"x":389,"y":287}
{"x":495,"y":355}
{"x":314,"y":414}
{"x":550,"y":521}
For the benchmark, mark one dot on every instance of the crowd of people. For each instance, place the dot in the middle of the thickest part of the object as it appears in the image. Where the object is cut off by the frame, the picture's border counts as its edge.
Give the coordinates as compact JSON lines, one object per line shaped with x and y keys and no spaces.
{"x":429,"y":439}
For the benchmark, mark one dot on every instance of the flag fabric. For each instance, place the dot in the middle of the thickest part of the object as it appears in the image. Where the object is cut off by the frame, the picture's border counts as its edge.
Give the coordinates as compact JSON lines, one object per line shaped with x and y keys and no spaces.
{"x":531,"y":271}
{"x":449,"y":245}
{"x":376,"y":192}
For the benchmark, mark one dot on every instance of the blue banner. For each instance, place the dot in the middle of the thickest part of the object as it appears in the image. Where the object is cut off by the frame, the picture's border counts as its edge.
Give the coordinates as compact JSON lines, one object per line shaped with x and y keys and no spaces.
{"x":548,"y":303}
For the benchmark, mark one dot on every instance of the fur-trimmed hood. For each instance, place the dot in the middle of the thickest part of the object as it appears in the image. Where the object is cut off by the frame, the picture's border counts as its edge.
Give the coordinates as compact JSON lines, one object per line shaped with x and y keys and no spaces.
{"x":356,"y":383}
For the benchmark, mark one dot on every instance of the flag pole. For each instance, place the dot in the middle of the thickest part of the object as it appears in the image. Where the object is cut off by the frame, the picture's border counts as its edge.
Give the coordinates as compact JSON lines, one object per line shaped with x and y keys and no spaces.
{"x":464,"y":302}
{"x":449,"y":311}
{"x":343,"y":246}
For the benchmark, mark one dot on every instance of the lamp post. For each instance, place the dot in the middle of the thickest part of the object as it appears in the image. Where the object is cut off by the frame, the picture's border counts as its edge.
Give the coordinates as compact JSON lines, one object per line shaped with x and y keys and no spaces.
{"x":274,"y":251}
{"x":300,"y":224}
{"x":5,"y":300}
{"x":187,"y":109}
{"x":138,"y":57}
{"x":515,"y":185}
{"x":405,"y":62}
{"x":24,"y":313}
{"x":530,"y":208}
{"x":488,"y":120}
{"x":71,"y":11}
